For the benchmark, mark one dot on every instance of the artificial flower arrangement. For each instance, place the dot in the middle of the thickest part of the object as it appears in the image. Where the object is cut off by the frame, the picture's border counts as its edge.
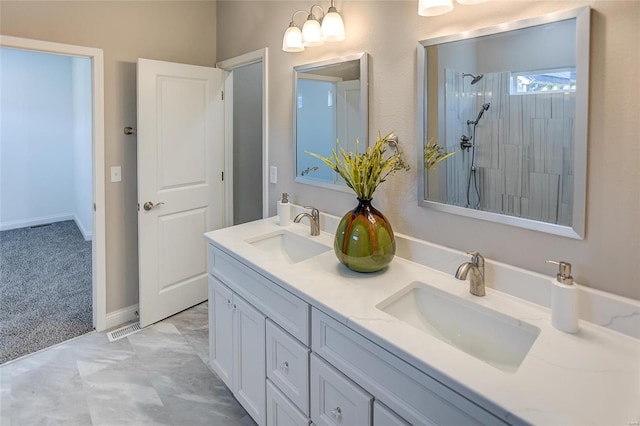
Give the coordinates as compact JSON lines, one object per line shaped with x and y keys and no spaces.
{"x":364,"y":172}
{"x":434,"y":153}
{"x":364,"y":240}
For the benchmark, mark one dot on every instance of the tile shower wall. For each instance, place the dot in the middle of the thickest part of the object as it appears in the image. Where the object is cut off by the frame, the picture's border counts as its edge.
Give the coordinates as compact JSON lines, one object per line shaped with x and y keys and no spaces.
{"x":524,"y":148}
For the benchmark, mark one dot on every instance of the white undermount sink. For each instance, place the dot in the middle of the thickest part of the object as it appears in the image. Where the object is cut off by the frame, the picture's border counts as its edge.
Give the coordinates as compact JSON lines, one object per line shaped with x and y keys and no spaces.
{"x":495,"y":338}
{"x":287,"y":246}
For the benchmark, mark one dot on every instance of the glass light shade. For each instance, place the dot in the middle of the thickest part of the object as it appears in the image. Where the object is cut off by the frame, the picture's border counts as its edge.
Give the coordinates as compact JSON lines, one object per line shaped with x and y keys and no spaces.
{"x":312,"y":33}
{"x":434,"y":7}
{"x":471,"y":1}
{"x":292,"y":40}
{"x":332,"y":26}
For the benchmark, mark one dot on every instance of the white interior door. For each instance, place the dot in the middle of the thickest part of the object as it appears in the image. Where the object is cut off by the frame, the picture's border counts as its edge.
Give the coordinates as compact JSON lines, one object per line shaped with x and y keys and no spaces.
{"x":348,"y":123}
{"x":180,"y":188}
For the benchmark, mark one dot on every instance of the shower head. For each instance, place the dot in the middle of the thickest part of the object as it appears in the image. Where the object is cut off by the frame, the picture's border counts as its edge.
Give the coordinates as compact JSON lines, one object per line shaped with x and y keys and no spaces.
{"x":474,"y":78}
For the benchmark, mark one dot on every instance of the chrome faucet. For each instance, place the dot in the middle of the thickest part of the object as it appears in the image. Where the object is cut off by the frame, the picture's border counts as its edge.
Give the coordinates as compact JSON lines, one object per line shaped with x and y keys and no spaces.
{"x":476,"y":266}
{"x":314,"y":219}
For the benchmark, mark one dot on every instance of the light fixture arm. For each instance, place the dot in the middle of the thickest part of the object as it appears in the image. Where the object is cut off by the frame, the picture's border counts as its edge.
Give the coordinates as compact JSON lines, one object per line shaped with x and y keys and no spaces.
{"x":293,"y":22}
{"x":312,"y":16}
{"x":332,"y":8}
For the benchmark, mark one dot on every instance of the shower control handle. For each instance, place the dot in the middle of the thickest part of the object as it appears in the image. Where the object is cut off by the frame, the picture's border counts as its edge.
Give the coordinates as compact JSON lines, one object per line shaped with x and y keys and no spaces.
{"x":149,"y":205}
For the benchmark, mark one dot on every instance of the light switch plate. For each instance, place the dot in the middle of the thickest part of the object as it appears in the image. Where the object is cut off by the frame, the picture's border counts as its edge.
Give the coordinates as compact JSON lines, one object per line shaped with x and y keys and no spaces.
{"x":116,"y":174}
{"x":273,"y":174}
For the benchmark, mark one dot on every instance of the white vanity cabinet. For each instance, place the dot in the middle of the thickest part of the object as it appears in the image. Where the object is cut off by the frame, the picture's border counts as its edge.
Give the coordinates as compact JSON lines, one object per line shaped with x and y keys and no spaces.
{"x":221,"y":331}
{"x":417,"y":397}
{"x":336,"y":400}
{"x":382,"y":416}
{"x":237,"y":347}
{"x":258,"y":341}
{"x":290,"y":364}
{"x":281,"y":411}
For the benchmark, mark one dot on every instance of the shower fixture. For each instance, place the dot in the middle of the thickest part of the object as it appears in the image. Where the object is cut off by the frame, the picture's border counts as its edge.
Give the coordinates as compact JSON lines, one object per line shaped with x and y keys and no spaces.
{"x":474,"y":78}
{"x":465,"y":144}
{"x":482,"y":110}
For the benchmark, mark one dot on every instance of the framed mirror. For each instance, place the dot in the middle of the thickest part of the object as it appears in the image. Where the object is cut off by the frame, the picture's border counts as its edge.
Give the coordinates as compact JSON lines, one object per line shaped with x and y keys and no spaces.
{"x":512,"y":100}
{"x":330,"y":107}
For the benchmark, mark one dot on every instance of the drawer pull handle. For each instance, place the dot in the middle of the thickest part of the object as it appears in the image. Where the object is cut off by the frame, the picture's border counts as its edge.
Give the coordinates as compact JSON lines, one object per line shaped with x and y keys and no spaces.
{"x":284,"y":366}
{"x":336,"y":413}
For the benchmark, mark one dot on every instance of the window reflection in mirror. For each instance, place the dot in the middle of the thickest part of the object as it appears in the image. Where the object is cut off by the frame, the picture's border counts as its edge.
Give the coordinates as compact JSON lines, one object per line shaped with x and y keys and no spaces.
{"x":512,"y":101}
{"x":330,"y":111}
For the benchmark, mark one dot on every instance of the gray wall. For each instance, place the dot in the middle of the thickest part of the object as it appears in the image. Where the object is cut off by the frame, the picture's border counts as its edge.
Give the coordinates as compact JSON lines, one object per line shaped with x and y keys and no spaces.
{"x":389,"y":30}
{"x":186,"y":31}
{"x":176,"y":31}
{"x":247,"y":143}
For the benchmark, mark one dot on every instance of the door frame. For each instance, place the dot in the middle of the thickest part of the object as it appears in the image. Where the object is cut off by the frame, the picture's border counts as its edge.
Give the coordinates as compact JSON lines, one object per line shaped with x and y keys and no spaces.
{"x":257,"y":56}
{"x":98,"y":239}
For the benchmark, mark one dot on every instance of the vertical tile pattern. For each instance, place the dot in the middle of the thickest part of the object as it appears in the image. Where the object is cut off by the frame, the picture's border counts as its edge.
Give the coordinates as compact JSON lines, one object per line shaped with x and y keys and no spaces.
{"x":524,"y":148}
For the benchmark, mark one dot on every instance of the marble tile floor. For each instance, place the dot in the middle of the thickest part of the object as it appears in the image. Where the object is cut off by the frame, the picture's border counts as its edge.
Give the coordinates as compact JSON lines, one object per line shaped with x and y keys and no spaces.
{"x":157,"y":376}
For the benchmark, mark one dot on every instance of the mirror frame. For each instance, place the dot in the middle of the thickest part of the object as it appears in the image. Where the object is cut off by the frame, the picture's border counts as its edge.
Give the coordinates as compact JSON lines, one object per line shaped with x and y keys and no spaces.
{"x":577,"y":229}
{"x":362,"y":57}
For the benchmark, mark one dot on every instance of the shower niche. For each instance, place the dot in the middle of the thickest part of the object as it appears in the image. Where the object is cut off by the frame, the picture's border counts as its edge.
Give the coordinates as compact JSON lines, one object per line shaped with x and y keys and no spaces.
{"x":512,"y":101}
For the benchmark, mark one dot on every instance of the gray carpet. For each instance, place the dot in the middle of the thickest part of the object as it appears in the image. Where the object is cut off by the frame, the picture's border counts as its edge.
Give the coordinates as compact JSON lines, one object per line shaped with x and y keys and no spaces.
{"x":45,"y":288}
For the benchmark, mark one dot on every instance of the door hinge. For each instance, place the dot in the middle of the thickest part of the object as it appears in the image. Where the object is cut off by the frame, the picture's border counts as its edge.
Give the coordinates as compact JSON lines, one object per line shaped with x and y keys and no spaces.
{"x":222,"y":95}
{"x":94,"y":207}
{"x":138,"y":206}
{"x":223,"y":176}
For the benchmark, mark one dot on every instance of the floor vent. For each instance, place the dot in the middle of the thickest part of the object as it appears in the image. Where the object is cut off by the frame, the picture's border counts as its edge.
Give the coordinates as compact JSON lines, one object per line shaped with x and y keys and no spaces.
{"x":125,"y":331}
{"x":39,"y":226}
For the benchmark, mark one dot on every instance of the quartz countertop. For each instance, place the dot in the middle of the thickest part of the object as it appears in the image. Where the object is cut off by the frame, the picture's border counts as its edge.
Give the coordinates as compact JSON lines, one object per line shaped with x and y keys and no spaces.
{"x":591,"y":377}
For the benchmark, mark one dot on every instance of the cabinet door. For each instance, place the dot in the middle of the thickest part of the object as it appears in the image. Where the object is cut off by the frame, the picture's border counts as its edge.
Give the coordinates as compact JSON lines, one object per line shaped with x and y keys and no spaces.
{"x":221,"y":331}
{"x":249,"y":379}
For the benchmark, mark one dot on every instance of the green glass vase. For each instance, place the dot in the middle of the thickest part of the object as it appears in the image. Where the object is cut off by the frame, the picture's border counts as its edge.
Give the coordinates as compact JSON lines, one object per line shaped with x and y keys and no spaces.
{"x":364,"y":239}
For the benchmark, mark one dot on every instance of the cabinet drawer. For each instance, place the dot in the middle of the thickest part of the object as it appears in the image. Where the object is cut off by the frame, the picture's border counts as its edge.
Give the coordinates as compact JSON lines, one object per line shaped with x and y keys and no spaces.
{"x":412,"y":394}
{"x":281,"y":411}
{"x":382,"y":416}
{"x":336,"y":400}
{"x":288,"y":311}
{"x":288,"y":366}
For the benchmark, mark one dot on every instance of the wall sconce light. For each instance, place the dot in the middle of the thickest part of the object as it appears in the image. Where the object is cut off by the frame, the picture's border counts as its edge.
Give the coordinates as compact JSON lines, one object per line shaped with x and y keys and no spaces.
{"x":440,"y":7}
{"x":332,"y":25}
{"x":314,"y":33}
{"x":292,"y":40}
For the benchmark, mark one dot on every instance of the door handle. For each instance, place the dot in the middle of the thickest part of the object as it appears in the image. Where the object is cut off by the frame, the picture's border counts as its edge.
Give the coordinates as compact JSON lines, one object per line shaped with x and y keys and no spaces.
{"x":149,"y":205}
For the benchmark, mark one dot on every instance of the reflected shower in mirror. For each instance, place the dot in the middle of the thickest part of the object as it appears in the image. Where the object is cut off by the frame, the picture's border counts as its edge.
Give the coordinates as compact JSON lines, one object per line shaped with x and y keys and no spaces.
{"x":512,"y":100}
{"x":330,"y":107}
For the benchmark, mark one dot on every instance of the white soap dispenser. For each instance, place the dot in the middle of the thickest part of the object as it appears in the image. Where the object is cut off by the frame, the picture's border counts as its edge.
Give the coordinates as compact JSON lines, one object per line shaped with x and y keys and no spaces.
{"x":564,"y":299}
{"x":284,"y":210}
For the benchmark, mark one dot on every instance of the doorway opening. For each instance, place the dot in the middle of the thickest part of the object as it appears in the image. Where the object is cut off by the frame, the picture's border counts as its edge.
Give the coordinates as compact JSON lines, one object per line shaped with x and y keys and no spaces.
{"x":51,"y":195}
{"x":246,"y":137}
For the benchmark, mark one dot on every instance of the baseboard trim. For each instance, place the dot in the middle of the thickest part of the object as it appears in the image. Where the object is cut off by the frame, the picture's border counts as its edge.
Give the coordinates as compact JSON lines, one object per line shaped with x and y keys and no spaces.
{"x":35,"y":221}
{"x":121,"y":316}
{"x":87,"y":235}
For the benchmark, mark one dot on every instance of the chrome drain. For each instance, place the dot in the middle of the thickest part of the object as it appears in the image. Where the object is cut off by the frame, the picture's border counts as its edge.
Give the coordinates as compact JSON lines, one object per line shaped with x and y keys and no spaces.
{"x":125,"y":331}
